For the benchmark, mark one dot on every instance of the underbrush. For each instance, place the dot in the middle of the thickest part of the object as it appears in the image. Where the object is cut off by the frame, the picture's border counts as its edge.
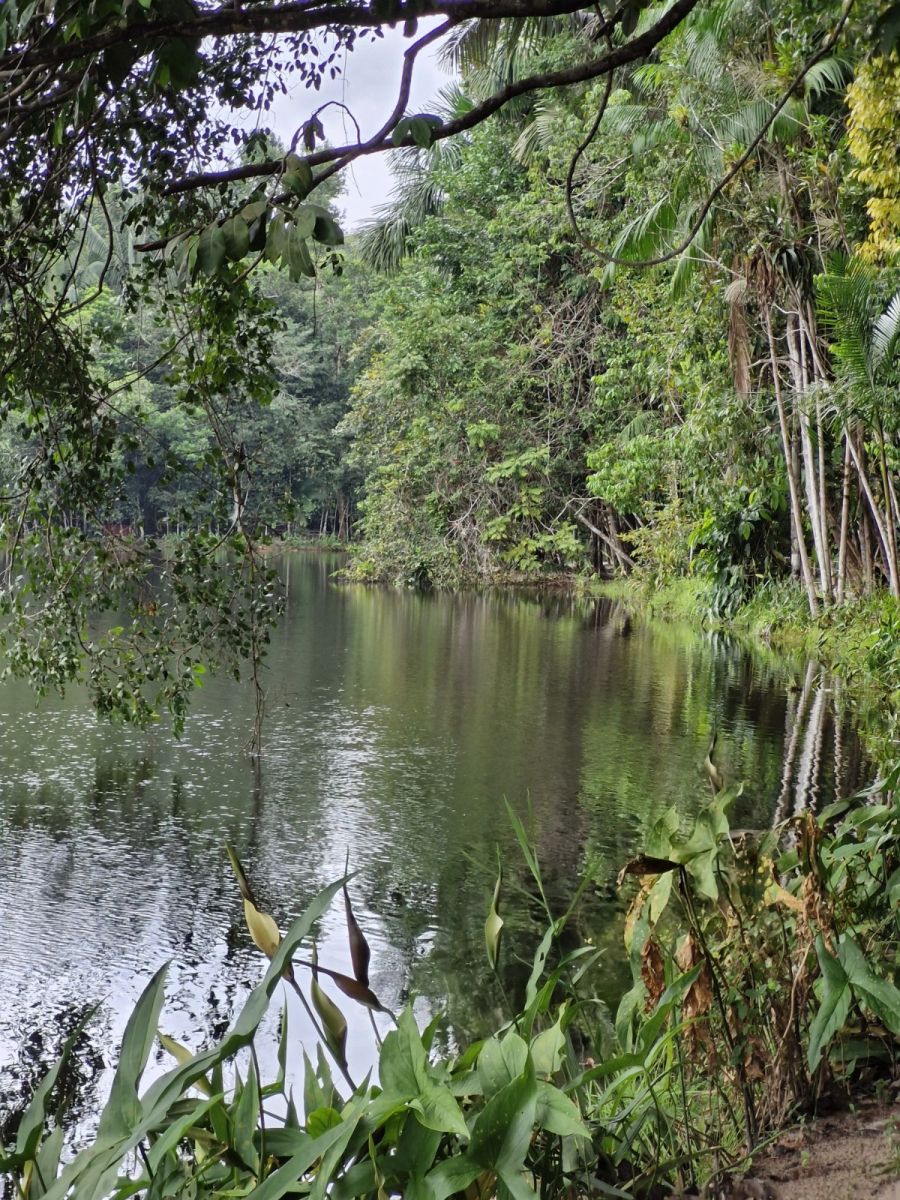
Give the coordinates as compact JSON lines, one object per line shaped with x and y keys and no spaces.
{"x":763,"y":968}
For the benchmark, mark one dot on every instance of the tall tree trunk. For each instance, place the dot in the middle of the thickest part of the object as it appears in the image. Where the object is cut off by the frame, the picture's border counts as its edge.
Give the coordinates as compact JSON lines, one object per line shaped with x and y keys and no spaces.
{"x":793,"y":487}
{"x":889,"y":506}
{"x":796,"y":344}
{"x":865,"y":551}
{"x":845,"y":522}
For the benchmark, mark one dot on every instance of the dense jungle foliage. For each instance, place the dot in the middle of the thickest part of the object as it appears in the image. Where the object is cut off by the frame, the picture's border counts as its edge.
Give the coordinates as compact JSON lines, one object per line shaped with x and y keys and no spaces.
{"x":646,"y":320}
{"x":494,"y":394}
{"x":526,"y":403}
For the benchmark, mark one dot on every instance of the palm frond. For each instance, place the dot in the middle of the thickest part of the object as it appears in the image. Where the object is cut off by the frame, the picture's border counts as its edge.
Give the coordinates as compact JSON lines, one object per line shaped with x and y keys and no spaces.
{"x":539,"y":134}
{"x":886,"y":333}
{"x":704,"y":54}
{"x":742,"y":127}
{"x":696,"y":253}
{"x":845,"y":304}
{"x":829,"y":75}
{"x":416,"y":196}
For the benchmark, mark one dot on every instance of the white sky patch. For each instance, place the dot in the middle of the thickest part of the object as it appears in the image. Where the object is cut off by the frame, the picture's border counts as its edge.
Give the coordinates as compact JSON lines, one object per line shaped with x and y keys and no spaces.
{"x":368,"y":86}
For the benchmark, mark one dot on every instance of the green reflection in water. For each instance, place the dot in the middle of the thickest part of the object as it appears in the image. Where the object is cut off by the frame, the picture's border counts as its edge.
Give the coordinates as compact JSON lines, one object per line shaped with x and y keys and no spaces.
{"x":398,"y":724}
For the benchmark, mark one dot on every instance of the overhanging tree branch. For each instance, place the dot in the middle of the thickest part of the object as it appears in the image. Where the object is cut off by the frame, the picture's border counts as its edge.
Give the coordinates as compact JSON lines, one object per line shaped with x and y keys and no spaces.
{"x":631,"y":51}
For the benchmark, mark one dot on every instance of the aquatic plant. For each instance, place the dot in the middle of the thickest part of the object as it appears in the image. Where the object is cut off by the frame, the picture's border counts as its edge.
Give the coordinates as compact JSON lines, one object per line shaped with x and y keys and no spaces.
{"x":763,"y":967}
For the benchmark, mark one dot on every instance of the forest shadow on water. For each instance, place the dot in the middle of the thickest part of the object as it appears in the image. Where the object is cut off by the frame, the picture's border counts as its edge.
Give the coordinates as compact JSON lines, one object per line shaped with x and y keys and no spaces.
{"x":399,"y":724}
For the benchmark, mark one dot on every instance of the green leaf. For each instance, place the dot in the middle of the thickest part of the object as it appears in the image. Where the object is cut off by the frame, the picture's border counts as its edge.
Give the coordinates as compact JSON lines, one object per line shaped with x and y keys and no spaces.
{"x":294,"y":182}
{"x":283,"y":1180}
{"x":211,"y":250}
{"x":547,"y":1048}
{"x":108,"y":1151}
{"x":402,"y":1064}
{"x":31,"y":1125}
{"x":437,"y":1109}
{"x":502,"y":1132}
{"x":46,"y":1163}
{"x":246,"y":1120}
{"x":305,"y":216}
{"x":499,"y":1063}
{"x":299,"y":259}
{"x":254,"y":210}
{"x":277,"y":242}
{"x":237,"y":238}
{"x":451,"y":1176}
{"x":176,"y":1130}
{"x":630,"y":14}
{"x":420,"y":130}
{"x":178,"y":62}
{"x":327,"y":231}
{"x":301,"y":181}
{"x":880,"y":995}
{"x":834,"y":1006}
{"x":123,"y":1110}
{"x":557,"y":1114}
{"x":332,"y":1018}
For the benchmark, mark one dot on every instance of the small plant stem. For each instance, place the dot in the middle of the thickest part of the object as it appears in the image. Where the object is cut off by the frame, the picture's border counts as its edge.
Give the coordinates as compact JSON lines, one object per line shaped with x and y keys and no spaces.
{"x":342,"y":1067}
{"x":749,"y":1119}
{"x":262,"y":1114}
{"x":378,"y":1040}
{"x":687,"y":1119}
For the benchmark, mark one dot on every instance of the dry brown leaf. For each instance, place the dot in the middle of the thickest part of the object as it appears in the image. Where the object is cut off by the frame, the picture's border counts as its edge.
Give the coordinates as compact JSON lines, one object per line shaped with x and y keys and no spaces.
{"x":653,"y":971}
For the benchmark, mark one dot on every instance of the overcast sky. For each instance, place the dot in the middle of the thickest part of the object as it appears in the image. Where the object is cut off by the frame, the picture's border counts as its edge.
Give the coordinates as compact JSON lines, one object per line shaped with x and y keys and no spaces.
{"x":368,"y":87}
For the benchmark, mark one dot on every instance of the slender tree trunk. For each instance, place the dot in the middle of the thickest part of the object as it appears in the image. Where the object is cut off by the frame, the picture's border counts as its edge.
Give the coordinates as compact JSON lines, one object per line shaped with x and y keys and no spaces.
{"x":865,"y":551}
{"x":845,"y":522}
{"x":793,"y":488}
{"x":890,"y":561}
{"x":889,"y":506}
{"x":800,"y":375}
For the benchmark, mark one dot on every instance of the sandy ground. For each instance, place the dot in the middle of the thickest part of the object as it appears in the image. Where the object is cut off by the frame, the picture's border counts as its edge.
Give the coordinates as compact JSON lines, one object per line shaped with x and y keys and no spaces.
{"x":847,"y":1156}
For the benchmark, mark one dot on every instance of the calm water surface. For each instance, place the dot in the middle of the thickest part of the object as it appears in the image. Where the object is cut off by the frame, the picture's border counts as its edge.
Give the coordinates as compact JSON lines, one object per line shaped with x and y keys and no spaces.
{"x":399,"y":723}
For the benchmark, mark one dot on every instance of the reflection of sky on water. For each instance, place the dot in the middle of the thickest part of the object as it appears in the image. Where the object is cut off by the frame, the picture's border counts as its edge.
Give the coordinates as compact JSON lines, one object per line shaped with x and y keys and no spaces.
{"x":398,"y":723}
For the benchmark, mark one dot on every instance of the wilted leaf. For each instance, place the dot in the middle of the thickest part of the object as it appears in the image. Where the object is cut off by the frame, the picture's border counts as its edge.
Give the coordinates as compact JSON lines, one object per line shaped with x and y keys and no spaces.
{"x":653,"y":971}
{"x":645,"y":864}
{"x":240,"y":875}
{"x":493,"y":926}
{"x":332,"y":1018}
{"x":698,"y":997}
{"x":262,"y":928}
{"x":360,"y":953}
{"x":351,"y":987}
{"x":776,"y":894}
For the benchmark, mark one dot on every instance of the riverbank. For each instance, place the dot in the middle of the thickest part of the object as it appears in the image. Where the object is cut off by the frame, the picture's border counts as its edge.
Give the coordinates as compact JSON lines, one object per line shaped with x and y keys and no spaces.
{"x":859,"y":642}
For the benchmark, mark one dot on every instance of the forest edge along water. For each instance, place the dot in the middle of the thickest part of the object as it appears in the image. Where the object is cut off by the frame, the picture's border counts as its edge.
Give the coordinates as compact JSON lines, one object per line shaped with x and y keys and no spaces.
{"x":399,"y":723}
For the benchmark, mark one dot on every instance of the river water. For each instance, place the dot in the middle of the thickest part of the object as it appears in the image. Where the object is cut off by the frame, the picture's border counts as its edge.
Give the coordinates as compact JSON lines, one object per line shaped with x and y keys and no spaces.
{"x":398,"y":725}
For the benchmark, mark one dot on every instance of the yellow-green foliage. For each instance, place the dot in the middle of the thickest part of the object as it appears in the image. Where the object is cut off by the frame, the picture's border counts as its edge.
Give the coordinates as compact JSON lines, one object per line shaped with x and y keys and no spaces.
{"x":874,"y":136}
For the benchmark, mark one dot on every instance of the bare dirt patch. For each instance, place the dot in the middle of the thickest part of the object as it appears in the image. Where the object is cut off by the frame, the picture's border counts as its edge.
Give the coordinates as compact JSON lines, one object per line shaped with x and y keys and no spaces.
{"x":846,"y":1156}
